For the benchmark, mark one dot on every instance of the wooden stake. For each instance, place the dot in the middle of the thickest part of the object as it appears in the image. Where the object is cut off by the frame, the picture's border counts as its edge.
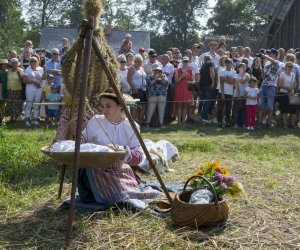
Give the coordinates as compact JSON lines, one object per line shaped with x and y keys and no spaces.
{"x":83,"y":88}
{"x":74,"y":91}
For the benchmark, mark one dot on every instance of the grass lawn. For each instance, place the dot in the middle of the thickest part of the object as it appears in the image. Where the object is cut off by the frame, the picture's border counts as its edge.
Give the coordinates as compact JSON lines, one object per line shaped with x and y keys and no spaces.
{"x":266,"y":162}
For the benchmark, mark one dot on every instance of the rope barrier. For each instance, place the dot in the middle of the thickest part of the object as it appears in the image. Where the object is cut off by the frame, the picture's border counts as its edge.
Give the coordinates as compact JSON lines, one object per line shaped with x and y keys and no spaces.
{"x":139,"y":102}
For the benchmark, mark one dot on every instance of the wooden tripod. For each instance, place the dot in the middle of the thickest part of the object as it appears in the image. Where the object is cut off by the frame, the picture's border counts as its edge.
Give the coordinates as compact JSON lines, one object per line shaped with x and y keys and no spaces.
{"x":90,"y":42}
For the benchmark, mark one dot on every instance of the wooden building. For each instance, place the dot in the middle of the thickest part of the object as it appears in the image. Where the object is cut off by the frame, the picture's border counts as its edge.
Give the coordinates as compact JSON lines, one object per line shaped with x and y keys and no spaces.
{"x":283,"y":28}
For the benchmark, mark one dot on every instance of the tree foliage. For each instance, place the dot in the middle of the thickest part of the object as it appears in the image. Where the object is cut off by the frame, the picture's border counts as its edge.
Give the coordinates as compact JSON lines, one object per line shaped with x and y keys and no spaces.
{"x":11,"y":26}
{"x":231,"y":17}
{"x":44,"y":13}
{"x":122,"y":15}
{"x":72,"y":15}
{"x":176,"y":19}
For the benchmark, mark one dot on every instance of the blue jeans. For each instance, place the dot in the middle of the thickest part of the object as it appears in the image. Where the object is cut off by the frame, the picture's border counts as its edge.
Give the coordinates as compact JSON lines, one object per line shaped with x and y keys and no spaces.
{"x":207,"y":95}
{"x":266,"y":97}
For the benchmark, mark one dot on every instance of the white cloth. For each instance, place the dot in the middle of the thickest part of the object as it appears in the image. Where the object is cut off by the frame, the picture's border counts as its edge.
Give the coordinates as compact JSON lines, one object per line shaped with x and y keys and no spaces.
{"x":251,"y":92}
{"x":31,"y":97}
{"x":288,"y":80}
{"x":242,"y":85}
{"x":147,"y":66}
{"x":69,"y":146}
{"x":169,"y":153}
{"x":102,"y":132}
{"x":125,"y":87}
{"x":193,"y":66}
{"x":228,"y":88}
{"x":270,"y":73}
{"x":36,"y":75}
{"x":139,"y":79}
{"x":220,"y":69}
{"x":215,"y":58}
{"x":250,"y":60}
{"x":169,"y":69}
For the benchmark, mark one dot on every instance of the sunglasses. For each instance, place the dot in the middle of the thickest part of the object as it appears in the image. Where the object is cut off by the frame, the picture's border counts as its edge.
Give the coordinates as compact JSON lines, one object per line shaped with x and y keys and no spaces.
{"x":122,"y":61}
{"x":55,"y":54}
{"x":290,"y":66}
{"x":185,"y":61}
{"x":153,"y":56}
{"x":33,"y":61}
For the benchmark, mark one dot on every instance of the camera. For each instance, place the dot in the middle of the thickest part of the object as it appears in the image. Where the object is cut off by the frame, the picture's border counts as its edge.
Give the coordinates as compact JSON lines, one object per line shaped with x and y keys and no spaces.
{"x":235,"y":60}
{"x":260,"y":55}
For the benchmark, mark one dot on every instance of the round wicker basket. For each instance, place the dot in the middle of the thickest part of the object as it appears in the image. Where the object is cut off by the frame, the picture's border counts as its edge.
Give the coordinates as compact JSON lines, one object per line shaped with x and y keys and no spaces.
{"x":87,"y":159}
{"x":197,"y":215}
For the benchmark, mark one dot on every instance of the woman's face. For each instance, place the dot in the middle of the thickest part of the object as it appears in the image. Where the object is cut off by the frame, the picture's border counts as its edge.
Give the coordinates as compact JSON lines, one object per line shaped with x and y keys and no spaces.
{"x":34,"y":62}
{"x":288,"y":67}
{"x":14,"y":65}
{"x":233,"y":52}
{"x":130,"y":58}
{"x":257,"y":61}
{"x":110,"y":109}
{"x":242,"y":69}
{"x":138,"y":62}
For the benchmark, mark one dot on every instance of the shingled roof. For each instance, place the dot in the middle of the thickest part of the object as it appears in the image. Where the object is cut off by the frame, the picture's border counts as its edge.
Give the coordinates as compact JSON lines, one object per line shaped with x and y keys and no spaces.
{"x":51,"y":37}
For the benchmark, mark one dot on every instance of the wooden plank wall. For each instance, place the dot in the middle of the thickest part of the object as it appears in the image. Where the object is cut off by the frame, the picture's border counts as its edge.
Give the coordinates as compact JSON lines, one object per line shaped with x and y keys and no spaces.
{"x":288,"y":35}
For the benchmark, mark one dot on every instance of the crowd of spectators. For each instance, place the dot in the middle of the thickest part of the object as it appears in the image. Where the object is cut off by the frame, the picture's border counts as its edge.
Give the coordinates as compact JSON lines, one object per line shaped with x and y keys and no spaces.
{"x":27,"y":80}
{"x":215,"y":85}
{"x":223,"y":86}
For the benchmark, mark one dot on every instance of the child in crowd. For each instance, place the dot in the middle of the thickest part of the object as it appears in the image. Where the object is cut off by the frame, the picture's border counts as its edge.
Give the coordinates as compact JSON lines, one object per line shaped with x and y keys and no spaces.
{"x":53,"y":110}
{"x":239,"y":105}
{"x":227,"y":82}
{"x":126,"y":45}
{"x":251,"y":93}
{"x":46,"y":92}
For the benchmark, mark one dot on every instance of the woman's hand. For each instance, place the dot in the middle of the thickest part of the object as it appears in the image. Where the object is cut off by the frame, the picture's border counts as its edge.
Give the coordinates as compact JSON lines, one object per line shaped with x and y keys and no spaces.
{"x":112,"y":146}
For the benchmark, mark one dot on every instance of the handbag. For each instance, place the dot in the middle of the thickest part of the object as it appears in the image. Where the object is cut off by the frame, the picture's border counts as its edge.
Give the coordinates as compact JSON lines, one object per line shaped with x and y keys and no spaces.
{"x":294,"y":99}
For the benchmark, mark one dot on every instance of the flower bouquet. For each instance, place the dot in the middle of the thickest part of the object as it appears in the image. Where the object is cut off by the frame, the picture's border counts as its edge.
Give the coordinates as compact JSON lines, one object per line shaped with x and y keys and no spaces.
{"x":217,"y":179}
{"x":220,"y":178}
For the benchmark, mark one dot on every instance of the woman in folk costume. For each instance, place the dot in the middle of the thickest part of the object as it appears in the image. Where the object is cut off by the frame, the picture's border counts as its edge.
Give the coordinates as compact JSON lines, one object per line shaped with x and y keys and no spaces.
{"x":118,"y":182}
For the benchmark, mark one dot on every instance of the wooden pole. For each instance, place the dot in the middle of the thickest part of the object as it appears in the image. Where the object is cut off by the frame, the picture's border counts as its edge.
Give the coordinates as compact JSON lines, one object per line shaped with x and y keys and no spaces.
{"x":83,"y":88}
{"x":74,"y":91}
{"x":132,"y":122}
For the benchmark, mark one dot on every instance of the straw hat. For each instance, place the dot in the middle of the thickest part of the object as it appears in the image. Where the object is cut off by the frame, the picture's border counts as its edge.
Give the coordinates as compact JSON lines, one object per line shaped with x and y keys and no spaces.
{"x":3,"y":61}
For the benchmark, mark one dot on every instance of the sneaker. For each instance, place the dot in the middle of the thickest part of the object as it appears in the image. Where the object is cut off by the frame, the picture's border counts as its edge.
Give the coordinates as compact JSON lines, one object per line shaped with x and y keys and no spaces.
{"x":251,"y":128}
{"x":269,"y":126}
{"x":236,"y":126}
{"x":27,"y":123}
{"x":248,"y":128}
{"x":264,"y":120}
{"x":215,"y":120}
{"x":258,"y":126}
{"x":274,"y":122}
{"x":204,"y":121}
{"x":36,"y":122}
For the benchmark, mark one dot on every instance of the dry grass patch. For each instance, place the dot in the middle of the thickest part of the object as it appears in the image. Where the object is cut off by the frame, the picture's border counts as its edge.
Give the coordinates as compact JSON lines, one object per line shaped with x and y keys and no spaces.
{"x":267,"y":163}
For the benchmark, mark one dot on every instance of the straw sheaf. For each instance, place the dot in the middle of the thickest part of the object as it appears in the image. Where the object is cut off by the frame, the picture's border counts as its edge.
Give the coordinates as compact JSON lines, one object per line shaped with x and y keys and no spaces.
{"x":93,"y":8}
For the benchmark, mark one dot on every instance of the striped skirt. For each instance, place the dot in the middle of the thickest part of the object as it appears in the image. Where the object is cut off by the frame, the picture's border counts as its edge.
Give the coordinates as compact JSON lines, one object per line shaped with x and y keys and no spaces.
{"x":117,"y":184}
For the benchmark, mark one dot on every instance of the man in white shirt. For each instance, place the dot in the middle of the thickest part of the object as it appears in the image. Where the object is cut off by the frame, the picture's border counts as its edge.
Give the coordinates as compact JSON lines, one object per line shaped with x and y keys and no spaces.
{"x":213,"y":46}
{"x":167,"y":67}
{"x":147,"y":64}
{"x":247,"y":55}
